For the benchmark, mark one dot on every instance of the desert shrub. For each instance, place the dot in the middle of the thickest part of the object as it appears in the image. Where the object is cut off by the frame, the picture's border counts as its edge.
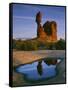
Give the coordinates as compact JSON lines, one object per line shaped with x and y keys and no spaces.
{"x":26,"y":45}
{"x":60,"y":45}
{"x":37,"y":45}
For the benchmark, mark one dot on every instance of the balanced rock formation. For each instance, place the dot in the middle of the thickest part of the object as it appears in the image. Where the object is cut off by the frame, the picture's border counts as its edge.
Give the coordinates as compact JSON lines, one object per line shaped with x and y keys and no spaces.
{"x":47,"y":32}
{"x":40,"y":30}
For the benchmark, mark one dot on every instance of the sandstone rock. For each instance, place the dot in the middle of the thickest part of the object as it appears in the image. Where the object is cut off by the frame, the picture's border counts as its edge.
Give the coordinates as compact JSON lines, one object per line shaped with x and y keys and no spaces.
{"x":47,"y":32}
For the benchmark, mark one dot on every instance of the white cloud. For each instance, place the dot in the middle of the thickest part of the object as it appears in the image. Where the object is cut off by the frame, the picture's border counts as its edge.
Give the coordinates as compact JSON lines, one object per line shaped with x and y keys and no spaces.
{"x":23,"y":17}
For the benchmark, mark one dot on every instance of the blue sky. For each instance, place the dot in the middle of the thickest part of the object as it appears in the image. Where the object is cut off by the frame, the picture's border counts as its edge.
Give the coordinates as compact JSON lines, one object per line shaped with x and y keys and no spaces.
{"x":24,"y":25}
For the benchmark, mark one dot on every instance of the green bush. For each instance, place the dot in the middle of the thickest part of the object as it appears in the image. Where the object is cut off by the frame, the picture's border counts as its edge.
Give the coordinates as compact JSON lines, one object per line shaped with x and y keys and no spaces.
{"x":37,"y":45}
{"x":60,"y":45}
{"x":25,"y":45}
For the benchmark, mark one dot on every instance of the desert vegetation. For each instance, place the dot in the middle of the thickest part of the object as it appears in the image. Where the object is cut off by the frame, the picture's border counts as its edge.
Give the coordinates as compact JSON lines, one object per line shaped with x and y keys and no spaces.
{"x":29,"y":45}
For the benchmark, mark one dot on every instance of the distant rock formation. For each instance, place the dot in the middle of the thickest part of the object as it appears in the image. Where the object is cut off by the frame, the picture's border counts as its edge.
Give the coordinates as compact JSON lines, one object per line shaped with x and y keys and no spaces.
{"x":47,"y":32}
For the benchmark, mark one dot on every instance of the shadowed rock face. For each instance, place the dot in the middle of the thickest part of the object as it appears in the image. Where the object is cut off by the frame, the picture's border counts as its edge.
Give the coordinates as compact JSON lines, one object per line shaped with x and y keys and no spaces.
{"x":40,"y":30}
{"x":47,"y":32}
{"x":38,"y":17}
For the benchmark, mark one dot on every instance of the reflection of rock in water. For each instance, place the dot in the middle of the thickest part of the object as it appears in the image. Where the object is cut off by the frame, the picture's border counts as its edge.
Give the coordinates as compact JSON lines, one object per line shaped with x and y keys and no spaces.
{"x":39,"y":68}
{"x":50,"y":61}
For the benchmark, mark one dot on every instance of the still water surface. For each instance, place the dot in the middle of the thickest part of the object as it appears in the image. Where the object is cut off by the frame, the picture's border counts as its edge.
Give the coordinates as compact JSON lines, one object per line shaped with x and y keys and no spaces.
{"x":39,"y":70}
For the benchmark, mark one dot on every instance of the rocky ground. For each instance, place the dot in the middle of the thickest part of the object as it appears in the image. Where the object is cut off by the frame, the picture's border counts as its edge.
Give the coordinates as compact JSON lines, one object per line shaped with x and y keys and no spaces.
{"x":23,"y":57}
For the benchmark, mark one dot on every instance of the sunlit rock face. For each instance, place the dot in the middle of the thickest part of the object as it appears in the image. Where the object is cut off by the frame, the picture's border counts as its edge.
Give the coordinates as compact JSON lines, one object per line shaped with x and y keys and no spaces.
{"x":47,"y":32}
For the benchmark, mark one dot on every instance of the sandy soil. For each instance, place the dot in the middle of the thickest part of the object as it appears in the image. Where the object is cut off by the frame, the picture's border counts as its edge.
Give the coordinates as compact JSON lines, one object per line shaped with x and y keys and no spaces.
{"x":23,"y":57}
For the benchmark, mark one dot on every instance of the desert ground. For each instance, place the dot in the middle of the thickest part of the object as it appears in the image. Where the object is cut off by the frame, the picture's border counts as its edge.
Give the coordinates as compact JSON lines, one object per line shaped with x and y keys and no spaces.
{"x":24,"y":57}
